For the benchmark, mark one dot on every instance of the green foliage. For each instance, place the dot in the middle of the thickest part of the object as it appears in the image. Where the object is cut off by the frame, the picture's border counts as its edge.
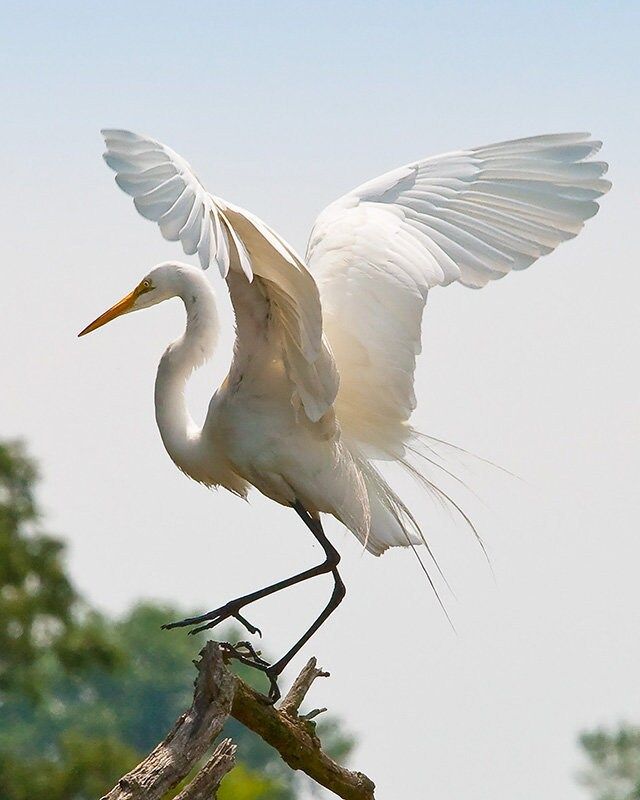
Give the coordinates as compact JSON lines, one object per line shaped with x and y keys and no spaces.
{"x":83,"y":698}
{"x":40,"y":612}
{"x":82,"y":768}
{"x":246,"y":784}
{"x":614,"y":763}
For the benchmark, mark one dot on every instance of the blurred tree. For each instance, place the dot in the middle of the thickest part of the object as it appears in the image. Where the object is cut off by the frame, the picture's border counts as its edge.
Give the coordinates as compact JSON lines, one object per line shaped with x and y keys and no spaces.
{"x":614,"y":763}
{"x":84,"y":698}
{"x":40,"y":612}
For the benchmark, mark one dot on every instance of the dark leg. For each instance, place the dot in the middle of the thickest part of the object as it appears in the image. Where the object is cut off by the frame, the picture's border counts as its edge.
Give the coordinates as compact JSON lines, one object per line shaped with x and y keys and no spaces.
{"x":337,"y":596}
{"x":231,"y":610}
{"x":233,"y":607}
{"x":339,"y":591}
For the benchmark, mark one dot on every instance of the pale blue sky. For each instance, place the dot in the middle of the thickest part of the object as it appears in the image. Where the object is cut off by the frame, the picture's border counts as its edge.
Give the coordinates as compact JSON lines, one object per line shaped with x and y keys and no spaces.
{"x":281,"y":107}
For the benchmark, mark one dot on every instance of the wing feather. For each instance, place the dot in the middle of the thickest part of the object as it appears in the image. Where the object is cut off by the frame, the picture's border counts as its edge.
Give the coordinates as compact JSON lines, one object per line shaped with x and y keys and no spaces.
{"x":470,"y":216}
{"x":165,"y":189}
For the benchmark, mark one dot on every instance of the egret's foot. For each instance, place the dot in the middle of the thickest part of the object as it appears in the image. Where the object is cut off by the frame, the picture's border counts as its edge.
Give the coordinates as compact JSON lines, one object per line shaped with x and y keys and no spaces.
{"x":274,"y":691}
{"x":244,"y":650}
{"x":206,"y":621}
{"x":251,"y":658}
{"x":248,"y":625}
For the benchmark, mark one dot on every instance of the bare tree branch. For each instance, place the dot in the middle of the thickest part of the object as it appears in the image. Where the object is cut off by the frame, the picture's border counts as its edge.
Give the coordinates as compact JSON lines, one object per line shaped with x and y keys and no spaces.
{"x":296,"y":741}
{"x":218,"y":695}
{"x":191,"y":736}
{"x":206,"y":783}
{"x":301,"y":686}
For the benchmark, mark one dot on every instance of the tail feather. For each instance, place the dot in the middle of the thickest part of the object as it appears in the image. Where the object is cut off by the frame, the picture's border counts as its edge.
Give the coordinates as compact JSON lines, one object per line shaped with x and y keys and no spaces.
{"x":446,"y":500}
{"x":392,"y":523}
{"x":423,"y":441}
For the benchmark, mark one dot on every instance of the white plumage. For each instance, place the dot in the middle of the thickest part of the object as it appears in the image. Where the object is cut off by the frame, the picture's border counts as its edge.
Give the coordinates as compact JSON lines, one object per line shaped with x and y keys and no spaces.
{"x":166,"y":190}
{"x":321,"y":383}
{"x":470,"y":216}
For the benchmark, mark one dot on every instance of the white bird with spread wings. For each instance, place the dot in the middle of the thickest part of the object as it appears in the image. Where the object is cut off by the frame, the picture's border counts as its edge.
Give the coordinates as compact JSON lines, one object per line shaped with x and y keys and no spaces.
{"x":320,"y":389}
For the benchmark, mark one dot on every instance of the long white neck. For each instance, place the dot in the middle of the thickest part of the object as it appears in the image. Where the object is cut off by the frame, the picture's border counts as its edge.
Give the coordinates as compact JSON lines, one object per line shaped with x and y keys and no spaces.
{"x":179,"y":432}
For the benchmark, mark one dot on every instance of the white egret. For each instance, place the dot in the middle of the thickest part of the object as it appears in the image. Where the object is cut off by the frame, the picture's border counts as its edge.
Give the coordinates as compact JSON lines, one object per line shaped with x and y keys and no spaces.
{"x":321,"y":384}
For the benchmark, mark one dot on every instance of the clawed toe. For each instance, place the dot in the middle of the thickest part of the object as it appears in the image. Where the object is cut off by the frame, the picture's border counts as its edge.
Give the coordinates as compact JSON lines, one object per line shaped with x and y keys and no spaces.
{"x":248,"y":625}
{"x":245,"y":653}
{"x":207,"y":621}
{"x":274,"y":690}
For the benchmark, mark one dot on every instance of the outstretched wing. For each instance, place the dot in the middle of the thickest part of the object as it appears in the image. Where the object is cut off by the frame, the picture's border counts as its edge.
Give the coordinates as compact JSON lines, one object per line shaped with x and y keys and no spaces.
{"x":165,"y":189}
{"x":470,"y":216}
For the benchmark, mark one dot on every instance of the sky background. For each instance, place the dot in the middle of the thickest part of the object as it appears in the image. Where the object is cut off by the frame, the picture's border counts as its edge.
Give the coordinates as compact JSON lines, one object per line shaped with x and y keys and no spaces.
{"x":281,"y":107}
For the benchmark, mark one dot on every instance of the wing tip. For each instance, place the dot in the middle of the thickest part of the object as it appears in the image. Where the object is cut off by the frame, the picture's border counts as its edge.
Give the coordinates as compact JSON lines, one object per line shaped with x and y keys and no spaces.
{"x":547,"y":140}
{"x":121,"y":133}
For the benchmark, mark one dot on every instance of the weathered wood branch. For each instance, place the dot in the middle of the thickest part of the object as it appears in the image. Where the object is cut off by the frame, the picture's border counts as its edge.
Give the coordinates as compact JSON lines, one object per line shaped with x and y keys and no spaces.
{"x":189,"y":739}
{"x":218,"y":695}
{"x":206,"y":783}
{"x":295,"y":739}
{"x":301,"y":686}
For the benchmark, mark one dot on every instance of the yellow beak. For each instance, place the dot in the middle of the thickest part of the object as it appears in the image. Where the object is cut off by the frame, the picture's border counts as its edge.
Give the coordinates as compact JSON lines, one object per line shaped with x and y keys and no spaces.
{"x":124,"y":305}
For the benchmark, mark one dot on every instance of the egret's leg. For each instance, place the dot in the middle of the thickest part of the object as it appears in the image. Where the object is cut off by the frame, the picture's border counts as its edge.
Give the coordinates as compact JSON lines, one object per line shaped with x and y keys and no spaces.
{"x":337,"y":596}
{"x":339,"y":591}
{"x":231,"y":610}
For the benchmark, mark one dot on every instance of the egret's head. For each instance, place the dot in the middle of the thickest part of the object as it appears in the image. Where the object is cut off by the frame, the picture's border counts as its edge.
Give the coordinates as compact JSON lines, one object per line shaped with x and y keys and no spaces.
{"x":162,"y":283}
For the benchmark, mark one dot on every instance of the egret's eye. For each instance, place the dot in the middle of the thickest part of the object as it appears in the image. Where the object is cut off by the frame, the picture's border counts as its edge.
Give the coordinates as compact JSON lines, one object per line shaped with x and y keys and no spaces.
{"x":145,"y":285}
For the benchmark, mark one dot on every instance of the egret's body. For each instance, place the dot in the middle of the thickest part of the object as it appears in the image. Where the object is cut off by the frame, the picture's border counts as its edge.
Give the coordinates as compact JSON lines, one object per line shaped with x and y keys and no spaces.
{"x":320,"y":389}
{"x":252,"y":435}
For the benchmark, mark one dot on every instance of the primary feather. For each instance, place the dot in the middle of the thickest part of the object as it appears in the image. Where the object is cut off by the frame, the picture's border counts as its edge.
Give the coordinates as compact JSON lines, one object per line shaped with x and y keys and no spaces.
{"x":470,"y":216}
{"x":166,"y":190}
